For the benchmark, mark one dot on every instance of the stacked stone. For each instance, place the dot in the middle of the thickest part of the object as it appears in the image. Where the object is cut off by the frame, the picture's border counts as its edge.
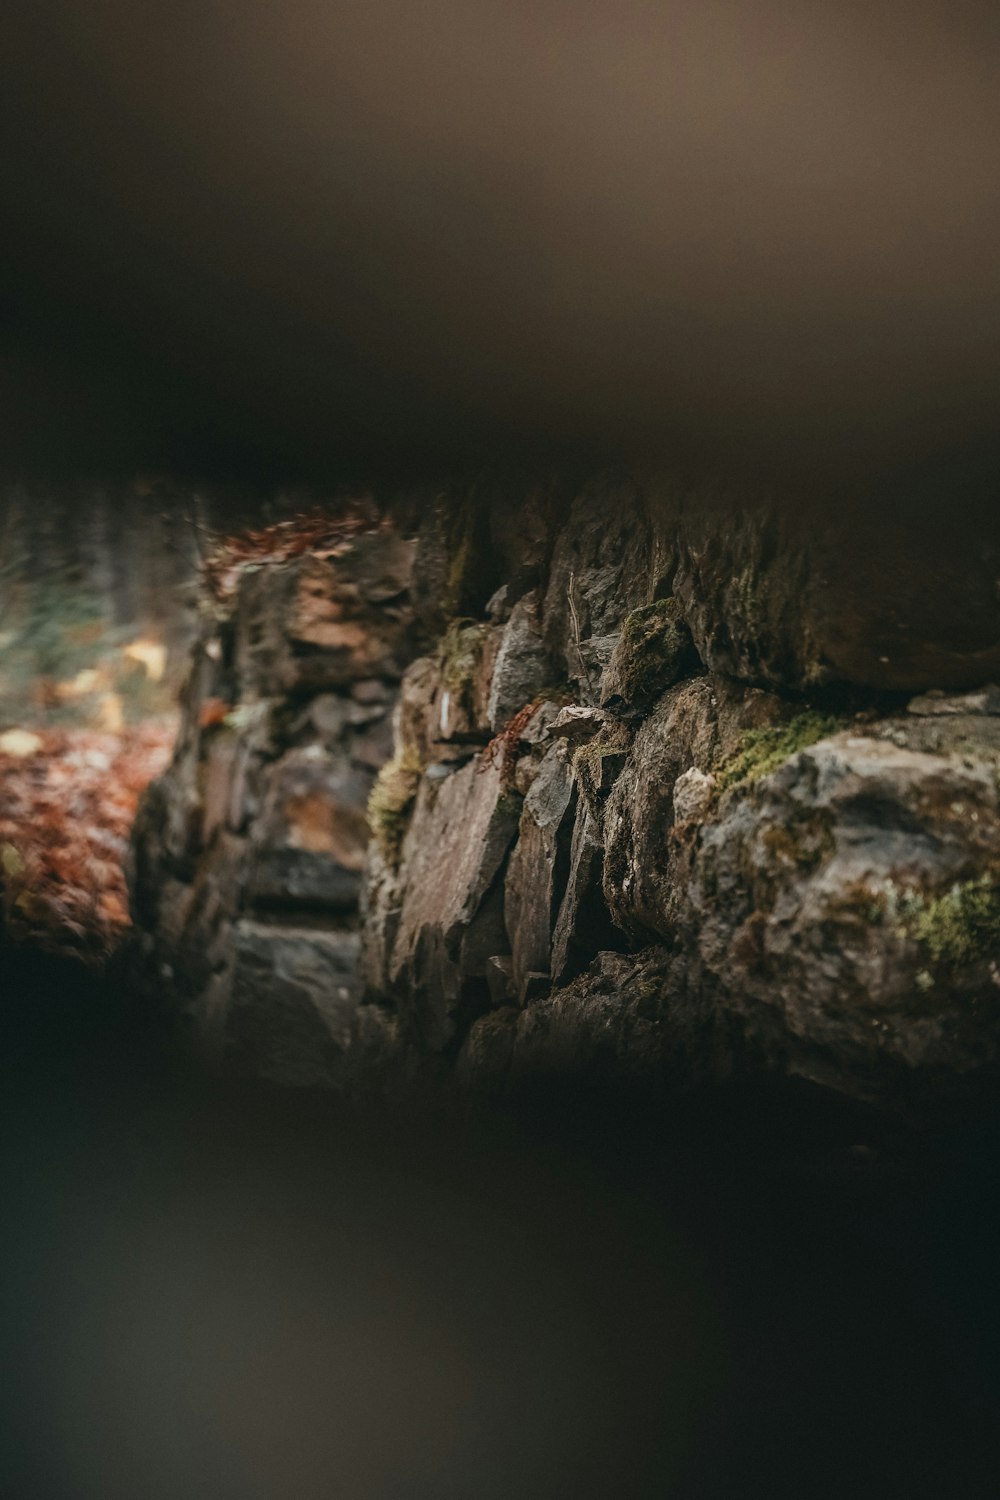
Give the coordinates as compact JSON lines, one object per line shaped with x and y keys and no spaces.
{"x":677,"y":788}
{"x":663,"y":803}
{"x":248,"y":853}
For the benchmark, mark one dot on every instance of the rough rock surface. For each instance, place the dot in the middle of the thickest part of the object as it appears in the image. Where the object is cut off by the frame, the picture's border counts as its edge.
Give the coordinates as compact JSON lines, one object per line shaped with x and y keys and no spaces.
{"x":448,"y":926}
{"x":652,"y":803}
{"x":717,"y":864}
{"x":536,"y":875}
{"x":846,"y":907}
{"x":248,"y":853}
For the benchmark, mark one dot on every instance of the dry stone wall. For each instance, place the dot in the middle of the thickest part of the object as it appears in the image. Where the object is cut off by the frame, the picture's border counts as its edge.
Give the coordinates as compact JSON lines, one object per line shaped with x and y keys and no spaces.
{"x":673,"y":789}
{"x":248,"y":853}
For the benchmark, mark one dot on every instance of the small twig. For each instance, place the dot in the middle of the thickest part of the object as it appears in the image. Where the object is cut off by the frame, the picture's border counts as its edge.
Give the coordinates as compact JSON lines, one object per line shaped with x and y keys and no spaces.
{"x":197,"y":532}
{"x":576,"y":636}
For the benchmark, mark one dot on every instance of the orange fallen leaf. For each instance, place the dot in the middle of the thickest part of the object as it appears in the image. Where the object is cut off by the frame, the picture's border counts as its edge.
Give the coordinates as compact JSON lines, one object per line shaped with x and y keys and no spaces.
{"x":213,"y":711}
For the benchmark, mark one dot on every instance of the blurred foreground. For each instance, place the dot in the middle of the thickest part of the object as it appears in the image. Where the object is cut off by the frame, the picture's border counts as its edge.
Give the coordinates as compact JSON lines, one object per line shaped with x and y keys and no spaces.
{"x":219,"y":1292}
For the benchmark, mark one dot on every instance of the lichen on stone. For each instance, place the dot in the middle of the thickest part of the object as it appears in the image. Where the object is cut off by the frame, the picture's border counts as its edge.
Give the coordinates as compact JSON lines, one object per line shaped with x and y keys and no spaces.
{"x":762,"y":751}
{"x":391,"y":803}
{"x":963,"y":925}
{"x":588,"y":762}
{"x":804,"y":842}
{"x":460,"y":649}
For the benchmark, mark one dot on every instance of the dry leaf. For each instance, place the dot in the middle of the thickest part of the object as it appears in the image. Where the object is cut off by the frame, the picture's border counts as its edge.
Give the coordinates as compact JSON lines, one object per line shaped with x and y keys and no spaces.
{"x":20,"y":743}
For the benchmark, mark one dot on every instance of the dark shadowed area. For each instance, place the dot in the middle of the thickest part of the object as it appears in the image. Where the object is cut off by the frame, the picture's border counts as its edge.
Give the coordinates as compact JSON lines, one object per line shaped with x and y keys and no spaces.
{"x":239,"y":1292}
{"x":329,"y":236}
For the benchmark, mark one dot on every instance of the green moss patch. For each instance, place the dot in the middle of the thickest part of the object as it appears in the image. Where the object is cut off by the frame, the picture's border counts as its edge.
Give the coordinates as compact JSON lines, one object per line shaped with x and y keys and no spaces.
{"x":962,"y":926}
{"x":762,"y":751}
{"x":597,"y":763}
{"x":654,"y":650}
{"x":390,"y":804}
{"x":460,"y":653}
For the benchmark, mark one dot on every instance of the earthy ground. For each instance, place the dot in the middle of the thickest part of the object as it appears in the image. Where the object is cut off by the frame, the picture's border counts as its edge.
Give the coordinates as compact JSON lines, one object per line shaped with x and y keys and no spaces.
{"x":67,"y":800}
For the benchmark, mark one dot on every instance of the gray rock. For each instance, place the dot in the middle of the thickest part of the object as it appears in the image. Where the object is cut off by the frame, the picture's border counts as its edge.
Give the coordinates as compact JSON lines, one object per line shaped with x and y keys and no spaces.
{"x":459,"y":710}
{"x":538,"y":729}
{"x":772,"y":599}
{"x":328,"y":714}
{"x":695,"y":725}
{"x":499,"y":978}
{"x":292,"y":1001}
{"x":522,"y":668}
{"x":485,"y":1059}
{"x":456,"y":569}
{"x":360,"y":714}
{"x":374,"y":748}
{"x":498,"y":606}
{"x":583,"y":926}
{"x":600,"y":571}
{"x":456,"y":845}
{"x":261,"y":820}
{"x":217,"y":773}
{"x":653,"y":650}
{"x":846,"y":908}
{"x":626,"y":1021}
{"x":694,"y":792}
{"x":537,"y":870}
{"x":322,"y":623}
{"x":370,"y":690}
{"x":551,"y":790}
{"x":938,"y":703}
{"x":285,"y":879}
{"x":309,"y":842}
{"x":577,"y":722}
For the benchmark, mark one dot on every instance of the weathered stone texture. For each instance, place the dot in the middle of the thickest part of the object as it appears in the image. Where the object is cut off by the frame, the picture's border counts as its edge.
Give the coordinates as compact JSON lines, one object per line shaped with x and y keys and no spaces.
{"x":536,"y":873}
{"x":447,"y":929}
{"x":715,"y":866}
{"x":694,"y":726}
{"x":773,"y":598}
{"x":847,"y":907}
{"x":292,"y":997}
{"x":248,"y":853}
{"x":650,"y":806}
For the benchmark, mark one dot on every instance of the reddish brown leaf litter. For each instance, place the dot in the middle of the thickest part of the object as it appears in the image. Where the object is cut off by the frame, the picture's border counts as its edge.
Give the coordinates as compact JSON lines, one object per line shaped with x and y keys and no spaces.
{"x":67,"y":801}
{"x":213,"y":711}
{"x":503,"y":747}
{"x":323,"y":533}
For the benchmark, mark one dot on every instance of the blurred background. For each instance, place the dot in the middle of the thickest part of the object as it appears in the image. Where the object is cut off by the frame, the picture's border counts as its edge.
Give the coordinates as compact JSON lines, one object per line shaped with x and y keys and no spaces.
{"x":332,"y":238}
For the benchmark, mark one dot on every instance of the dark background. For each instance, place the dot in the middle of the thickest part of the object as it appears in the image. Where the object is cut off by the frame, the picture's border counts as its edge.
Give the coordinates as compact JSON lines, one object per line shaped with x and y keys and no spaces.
{"x":333,"y":240}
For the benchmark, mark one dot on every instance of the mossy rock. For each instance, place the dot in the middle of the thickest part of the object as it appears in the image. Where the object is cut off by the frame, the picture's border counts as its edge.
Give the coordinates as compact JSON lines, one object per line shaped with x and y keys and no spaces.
{"x":653,"y":651}
{"x":461,"y":654}
{"x":598,"y":762}
{"x":962,"y":926}
{"x":762,"y":751}
{"x":390,"y":804}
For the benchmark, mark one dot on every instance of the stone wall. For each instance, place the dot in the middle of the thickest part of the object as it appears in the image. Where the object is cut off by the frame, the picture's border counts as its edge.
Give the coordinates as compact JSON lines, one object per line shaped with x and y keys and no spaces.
{"x":247,"y":854}
{"x":676,"y":789}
